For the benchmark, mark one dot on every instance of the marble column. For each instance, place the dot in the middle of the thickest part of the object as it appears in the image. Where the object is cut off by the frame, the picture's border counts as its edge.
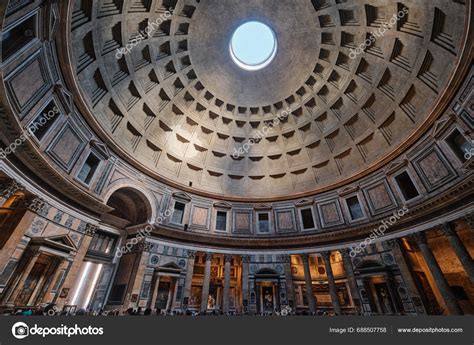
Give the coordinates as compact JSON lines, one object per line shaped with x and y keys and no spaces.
{"x":45,"y":282}
{"x":290,"y":289}
{"x":172,"y":294}
{"x":245,"y":283}
{"x":347,"y":262}
{"x":309,"y":284}
{"x":406,"y":273}
{"x":393,"y":293}
{"x":439,"y":279}
{"x":189,"y":277}
{"x":51,"y":297}
{"x":31,"y":259}
{"x":75,"y":268}
{"x":154,"y":290}
{"x":141,"y":257}
{"x":332,"y":284}
{"x":463,"y":255}
{"x":227,"y":267}
{"x":206,"y":282}
{"x":253,"y":286}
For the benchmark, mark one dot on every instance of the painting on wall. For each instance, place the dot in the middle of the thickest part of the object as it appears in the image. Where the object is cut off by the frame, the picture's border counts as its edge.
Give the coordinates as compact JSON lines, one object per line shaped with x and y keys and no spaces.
{"x":214,"y":271}
{"x":212,"y":298}
{"x":30,"y":283}
{"x":64,"y":293}
{"x":267,"y":298}
{"x":195,"y":297}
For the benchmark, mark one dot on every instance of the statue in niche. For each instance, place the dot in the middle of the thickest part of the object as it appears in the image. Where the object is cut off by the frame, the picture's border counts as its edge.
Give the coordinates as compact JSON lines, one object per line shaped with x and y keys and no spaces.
{"x":211,"y":302}
{"x":267,"y":299}
{"x":385,"y":299}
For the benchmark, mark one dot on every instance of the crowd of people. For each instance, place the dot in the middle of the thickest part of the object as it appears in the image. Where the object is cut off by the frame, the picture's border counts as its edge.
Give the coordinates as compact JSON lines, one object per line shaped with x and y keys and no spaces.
{"x":52,"y":310}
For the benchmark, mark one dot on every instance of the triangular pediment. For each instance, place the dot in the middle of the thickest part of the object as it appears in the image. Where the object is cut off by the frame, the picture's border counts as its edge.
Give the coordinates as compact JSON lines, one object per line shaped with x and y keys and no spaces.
{"x":66,"y":99}
{"x":263,"y":207}
{"x":171,"y":265}
{"x":61,"y":243}
{"x":304,"y":202}
{"x":395,"y":166}
{"x":441,"y":126}
{"x":63,"y":239}
{"x":182,"y":196}
{"x":101,"y":148}
{"x":348,"y":190}
{"x":222,"y":204}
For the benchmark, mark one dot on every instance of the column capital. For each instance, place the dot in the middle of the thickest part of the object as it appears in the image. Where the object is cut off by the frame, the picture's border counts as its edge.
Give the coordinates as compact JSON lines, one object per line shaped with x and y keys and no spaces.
{"x":448,"y":229}
{"x":208,"y":256}
{"x":31,"y":253}
{"x":228,"y":258}
{"x":393,"y":243}
{"x":419,"y":237}
{"x":9,"y":188}
{"x":326,"y":255}
{"x":90,"y":229}
{"x":469,"y":218}
{"x":287,"y":259}
{"x":246,"y":258}
{"x":305,"y":258}
{"x":345,"y":253}
{"x":39,"y":206}
{"x":36,"y":204}
{"x":143,"y":246}
{"x":191,"y":254}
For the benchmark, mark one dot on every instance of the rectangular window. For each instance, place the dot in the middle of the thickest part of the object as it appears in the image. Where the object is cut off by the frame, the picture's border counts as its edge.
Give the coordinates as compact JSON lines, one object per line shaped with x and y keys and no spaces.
{"x":354,"y":208}
{"x":459,"y":145}
{"x":221,"y":221}
{"x":17,"y":37}
{"x":407,"y":186}
{"x":263,"y":222}
{"x":88,"y":169}
{"x":44,"y":121}
{"x":103,"y":243}
{"x":307,"y":217}
{"x":178,"y":213}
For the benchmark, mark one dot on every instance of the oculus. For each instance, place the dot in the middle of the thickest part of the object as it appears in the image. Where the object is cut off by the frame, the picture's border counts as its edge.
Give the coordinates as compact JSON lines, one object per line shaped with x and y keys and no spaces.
{"x":253,"y":46}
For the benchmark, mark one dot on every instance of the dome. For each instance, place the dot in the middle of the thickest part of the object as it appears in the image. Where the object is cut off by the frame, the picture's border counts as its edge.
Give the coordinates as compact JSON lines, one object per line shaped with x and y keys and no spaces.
{"x":332,"y":106}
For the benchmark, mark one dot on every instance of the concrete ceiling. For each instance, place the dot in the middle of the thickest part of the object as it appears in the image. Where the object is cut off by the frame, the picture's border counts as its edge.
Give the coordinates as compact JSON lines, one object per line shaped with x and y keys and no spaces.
{"x":175,"y":102}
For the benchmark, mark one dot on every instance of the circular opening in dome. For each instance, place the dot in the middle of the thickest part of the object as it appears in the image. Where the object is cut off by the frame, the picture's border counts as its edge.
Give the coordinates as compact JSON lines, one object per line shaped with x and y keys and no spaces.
{"x":253,"y":46}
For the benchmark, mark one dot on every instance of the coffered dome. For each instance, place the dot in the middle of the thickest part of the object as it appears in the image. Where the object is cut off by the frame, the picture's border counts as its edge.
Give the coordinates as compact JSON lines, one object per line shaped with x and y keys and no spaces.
{"x":352,"y":84}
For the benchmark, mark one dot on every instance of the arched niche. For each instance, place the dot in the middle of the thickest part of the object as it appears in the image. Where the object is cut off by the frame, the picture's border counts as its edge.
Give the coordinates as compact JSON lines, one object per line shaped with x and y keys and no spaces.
{"x":130,"y":207}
